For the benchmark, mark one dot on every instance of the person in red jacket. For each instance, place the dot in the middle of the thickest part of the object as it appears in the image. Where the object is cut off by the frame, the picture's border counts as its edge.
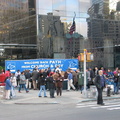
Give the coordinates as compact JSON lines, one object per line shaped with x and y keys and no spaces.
{"x":7,"y":73}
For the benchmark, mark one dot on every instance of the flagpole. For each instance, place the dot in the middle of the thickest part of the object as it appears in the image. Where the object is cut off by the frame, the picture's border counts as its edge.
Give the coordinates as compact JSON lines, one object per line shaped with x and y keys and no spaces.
{"x":74,"y":16}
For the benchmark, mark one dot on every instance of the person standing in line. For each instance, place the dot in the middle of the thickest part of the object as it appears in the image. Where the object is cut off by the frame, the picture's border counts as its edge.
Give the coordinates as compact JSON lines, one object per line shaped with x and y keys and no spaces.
{"x":2,"y":71}
{"x":7,"y":73}
{"x":100,"y":84}
{"x":48,"y":71}
{"x":36,"y":68}
{"x":91,"y":75}
{"x":70,"y":80}
{"x":88,"y":79}
{"x":35,"y":74}
{"x":96,"y":71}
{"x":42,"y":82}
{"x":17,"y":75}
{"x":115,"y":71}
{"x":45,"y":76}
{"x":51,"y":85}
{"x":22,"y":82}
{"x":57,"y":69}
{"x":7,"y":88}
{"x":14,"y":84}
{"x":104,"y":70}
{"x":118,"y":85}
{"x":75,"y":80}
{"x":59,"y":83}
{"x":28,"y":79}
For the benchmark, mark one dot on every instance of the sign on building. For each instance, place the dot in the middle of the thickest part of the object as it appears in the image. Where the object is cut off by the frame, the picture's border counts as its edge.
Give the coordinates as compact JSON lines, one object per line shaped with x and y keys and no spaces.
{"x":22,"y":65}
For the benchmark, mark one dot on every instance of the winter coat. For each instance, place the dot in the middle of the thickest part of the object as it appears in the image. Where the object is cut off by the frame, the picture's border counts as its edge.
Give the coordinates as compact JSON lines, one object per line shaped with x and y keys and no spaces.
{"x":55,"y":76}
{"x":28,"y":75}
{"x":8,"y":84}
{"x":13,"y":81}
{"x":51,"y":82}
{"x":59,"y":83}
{"x":75,"y":80}
{"x":98,"y":81}
{"x":7,"y":74}
{"x":22,"y":79}
{"x":41,"y":81}
{"x":35,"y":75}
{"x":58,"y":79}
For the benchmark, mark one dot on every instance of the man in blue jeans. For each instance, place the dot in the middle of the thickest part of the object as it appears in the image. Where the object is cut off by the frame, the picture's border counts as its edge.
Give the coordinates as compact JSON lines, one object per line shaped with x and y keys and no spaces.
{"x":42,"y":82}
{"x":22,"y":82}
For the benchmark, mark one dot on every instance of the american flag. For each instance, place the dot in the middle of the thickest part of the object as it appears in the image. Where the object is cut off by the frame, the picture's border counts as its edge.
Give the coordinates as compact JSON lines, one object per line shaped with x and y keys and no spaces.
{"x":72,"y":28}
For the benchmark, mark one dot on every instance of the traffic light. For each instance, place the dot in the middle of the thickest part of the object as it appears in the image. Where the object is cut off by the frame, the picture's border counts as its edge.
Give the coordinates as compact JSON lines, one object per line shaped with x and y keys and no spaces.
{"x":89,"y":57}
{"x":81,"y":57}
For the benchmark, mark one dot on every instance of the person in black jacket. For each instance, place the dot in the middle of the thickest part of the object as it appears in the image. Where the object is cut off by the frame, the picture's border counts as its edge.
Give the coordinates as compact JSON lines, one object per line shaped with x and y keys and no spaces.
{"x":51,"y":85}
{"x":42,"y":82}
{"x":28,"y":79}
{"x":100,"y":84}
{"x":91,"y":76}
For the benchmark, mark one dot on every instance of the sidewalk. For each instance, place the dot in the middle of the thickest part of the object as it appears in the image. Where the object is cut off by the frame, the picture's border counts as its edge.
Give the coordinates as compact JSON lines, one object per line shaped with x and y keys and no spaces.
{"x":68,"y":97}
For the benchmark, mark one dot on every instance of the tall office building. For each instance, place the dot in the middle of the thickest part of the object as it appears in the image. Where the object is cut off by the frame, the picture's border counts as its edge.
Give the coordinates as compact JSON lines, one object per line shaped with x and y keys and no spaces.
{"x":31,"y":29}
{"x":17,"y":29}
{"x":101,"y":7}
{"x":104,"y":35}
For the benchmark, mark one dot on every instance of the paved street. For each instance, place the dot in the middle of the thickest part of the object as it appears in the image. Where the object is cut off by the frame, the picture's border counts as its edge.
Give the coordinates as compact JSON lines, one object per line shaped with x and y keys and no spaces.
{"x":71,"y":105}
{"x":91,"y":111}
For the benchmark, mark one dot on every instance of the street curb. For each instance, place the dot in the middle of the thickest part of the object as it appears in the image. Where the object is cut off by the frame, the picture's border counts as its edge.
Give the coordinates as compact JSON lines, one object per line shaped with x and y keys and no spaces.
{"x":35,"y":103}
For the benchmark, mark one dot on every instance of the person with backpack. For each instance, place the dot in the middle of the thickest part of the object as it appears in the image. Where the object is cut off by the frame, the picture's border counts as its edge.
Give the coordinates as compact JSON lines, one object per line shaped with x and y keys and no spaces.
{"x":17,"y":75}
{"x":7,"y":88}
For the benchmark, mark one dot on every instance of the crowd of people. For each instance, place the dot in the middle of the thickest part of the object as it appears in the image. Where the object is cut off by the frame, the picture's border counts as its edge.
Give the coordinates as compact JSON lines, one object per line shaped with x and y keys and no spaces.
{"x":46,"y":79}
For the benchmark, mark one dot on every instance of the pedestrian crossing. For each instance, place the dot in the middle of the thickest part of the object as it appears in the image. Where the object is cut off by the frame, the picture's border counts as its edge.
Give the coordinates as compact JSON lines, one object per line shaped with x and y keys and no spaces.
{"x":109,"y":105}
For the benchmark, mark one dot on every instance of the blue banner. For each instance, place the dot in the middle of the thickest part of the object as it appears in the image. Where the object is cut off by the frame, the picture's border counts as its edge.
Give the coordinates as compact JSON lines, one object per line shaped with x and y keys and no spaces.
{"x":22,"y":65}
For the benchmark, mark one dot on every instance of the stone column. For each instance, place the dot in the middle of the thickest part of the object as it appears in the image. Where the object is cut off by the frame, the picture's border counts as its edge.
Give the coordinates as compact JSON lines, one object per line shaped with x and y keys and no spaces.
{"x":108,"y":53}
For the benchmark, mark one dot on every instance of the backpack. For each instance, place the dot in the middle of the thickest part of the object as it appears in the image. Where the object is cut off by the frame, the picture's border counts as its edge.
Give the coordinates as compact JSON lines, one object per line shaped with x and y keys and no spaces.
{"x":18,"y":78}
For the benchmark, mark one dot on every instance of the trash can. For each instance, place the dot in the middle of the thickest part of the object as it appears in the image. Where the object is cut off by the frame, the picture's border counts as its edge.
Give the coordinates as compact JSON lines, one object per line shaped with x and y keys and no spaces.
{"x":65,"y":84}
{"x":81,"y":79}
